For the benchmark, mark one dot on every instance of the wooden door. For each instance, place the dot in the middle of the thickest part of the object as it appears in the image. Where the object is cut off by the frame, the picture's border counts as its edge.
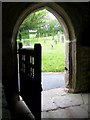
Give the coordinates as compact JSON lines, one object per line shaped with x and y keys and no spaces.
{"x":30,"y":78}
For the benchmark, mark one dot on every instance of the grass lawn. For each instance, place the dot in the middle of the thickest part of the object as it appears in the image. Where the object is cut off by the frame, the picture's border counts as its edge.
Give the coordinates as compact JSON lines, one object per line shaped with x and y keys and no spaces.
{"x":53,"y":59}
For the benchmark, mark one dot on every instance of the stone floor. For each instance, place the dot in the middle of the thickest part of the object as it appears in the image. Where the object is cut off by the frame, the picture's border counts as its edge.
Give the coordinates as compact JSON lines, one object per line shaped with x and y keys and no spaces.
{"x":57,"y":103}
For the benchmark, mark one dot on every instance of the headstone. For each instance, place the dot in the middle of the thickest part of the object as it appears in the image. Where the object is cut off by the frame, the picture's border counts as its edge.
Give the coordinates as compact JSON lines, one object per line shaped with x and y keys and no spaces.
{"x":62,"y":39}
{"x":59,"y":36}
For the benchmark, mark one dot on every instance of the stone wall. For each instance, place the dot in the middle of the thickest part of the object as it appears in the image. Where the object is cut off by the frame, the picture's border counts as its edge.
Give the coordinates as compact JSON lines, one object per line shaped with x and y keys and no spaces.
{"x":83,"y":71}
{"x":79,"y":15}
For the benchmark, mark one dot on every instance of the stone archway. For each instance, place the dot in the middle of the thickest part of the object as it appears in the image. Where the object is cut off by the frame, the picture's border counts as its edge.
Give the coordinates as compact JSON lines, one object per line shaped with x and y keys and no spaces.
{"x":12,"y":16}
{"x":63,"y":18}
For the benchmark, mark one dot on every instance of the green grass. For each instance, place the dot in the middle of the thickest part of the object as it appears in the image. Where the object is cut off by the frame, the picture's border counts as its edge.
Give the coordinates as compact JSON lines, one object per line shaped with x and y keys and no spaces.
{"x":53,"y":59}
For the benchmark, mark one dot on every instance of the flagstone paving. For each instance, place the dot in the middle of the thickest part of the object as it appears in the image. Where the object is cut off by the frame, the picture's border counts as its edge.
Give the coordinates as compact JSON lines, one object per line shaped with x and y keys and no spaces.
{"x":57,"y":103}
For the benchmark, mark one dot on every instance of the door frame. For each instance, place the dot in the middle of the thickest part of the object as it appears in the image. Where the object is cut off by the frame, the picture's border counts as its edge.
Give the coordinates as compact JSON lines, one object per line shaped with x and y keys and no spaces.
{"x":59,"y":12}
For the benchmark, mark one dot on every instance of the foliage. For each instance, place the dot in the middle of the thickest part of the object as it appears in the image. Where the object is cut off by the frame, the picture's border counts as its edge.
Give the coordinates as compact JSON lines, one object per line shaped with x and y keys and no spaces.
{"x":24,"y":34}
{"x":34,"y":21}
{"x":18,"y":41}
{"x":41,"y":22}
{"x":53,"y":26}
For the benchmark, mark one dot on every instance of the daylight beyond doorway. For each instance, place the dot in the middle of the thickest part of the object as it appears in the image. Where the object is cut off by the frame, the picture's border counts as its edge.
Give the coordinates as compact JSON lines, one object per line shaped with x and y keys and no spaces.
{"x":50,"y":34}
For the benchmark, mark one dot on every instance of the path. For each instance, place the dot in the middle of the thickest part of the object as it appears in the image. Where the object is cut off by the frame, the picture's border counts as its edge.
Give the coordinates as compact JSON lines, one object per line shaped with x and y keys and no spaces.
{"x":52,"y":80}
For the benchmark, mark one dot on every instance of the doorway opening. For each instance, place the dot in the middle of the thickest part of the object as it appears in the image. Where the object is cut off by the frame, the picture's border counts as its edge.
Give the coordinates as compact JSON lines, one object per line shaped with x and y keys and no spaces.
{"x":63,"y":18}
{"x":44,"y":28}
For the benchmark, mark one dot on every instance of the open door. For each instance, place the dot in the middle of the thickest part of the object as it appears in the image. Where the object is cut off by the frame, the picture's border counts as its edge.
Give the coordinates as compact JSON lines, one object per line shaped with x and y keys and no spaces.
{"x":30,"y":78}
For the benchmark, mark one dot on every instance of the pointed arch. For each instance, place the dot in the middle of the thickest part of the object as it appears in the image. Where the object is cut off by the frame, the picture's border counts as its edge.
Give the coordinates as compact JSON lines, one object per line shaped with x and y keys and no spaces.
{"x":65,"y":21}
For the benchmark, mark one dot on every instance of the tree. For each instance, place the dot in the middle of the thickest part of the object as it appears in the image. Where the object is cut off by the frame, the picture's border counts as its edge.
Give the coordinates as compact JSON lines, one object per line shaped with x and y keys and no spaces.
{"x":54,"y":26}
{"x":34,"y":21}
{"x":41,"y":22}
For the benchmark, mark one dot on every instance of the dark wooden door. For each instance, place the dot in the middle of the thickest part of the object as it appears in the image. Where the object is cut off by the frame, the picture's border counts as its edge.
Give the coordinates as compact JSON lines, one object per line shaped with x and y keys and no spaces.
{"x":30,"y":78}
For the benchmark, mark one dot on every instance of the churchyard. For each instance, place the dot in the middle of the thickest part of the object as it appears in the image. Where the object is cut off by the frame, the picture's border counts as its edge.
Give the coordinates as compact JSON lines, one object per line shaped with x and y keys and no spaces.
{"x":53,"y":52}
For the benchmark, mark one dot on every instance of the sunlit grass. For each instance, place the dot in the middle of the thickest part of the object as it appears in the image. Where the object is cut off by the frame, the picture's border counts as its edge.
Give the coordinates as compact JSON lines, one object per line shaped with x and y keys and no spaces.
{"x":53,"y":58}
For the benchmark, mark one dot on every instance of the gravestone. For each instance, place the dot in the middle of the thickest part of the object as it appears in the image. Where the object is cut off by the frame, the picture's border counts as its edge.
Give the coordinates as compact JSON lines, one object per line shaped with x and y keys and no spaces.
{"x":59,"y":36}
{"x":62,"y":39}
